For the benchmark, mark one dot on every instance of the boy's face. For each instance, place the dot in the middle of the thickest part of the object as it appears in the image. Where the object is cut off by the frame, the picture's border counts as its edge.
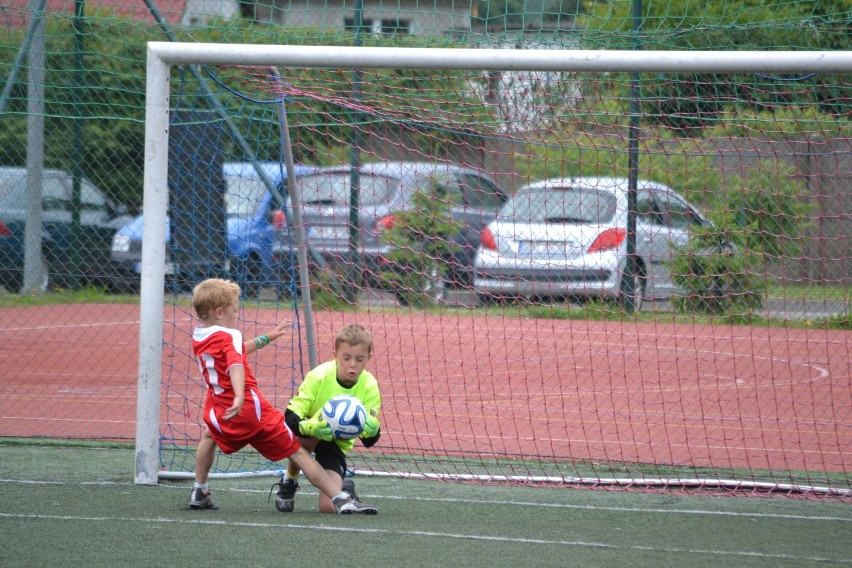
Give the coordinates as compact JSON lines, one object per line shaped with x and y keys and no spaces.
{"x":228,"y":316}
{"x":351,"y":362}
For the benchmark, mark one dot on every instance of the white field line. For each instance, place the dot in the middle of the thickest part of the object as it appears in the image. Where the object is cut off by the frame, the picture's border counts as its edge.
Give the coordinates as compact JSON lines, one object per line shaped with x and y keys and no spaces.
{"x":568,"y":506}
{"x":433,"y":534}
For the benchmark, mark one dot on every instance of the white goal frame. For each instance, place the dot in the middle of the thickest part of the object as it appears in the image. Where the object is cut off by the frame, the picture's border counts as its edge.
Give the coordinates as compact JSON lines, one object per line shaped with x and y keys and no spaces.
{"x":162,"y":55}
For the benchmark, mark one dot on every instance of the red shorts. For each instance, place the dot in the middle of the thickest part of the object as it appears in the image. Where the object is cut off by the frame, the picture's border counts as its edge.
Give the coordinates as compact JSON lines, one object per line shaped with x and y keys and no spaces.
{"x":259,"y":425}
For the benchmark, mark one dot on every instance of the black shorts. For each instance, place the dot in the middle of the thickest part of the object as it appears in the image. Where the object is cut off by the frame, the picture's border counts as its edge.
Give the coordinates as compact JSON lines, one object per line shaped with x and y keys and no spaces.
{"x":330,"y":457}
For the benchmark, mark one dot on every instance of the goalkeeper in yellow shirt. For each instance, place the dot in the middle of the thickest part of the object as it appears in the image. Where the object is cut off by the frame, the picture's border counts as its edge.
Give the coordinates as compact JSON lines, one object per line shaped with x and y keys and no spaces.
{"x":345,"y":374}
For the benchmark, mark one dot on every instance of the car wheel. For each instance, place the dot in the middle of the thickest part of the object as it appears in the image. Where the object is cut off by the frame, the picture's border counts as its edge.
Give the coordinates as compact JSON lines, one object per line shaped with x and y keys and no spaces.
{"x":434,"y":286}
{"x":486,"y":299}
{"x":402,"y":298}
{"x":249,"y":276}
{"x":14,"y":282}
{"x":431,"y":289}
{"x":639,"y":284}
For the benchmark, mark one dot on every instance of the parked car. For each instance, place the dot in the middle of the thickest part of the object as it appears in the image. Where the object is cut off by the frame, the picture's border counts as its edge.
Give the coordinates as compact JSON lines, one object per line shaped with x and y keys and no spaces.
{"x":566,"y":237}
{"x":252,"y":219}
{"x":385,"y":189}
{"x":99,"y":217}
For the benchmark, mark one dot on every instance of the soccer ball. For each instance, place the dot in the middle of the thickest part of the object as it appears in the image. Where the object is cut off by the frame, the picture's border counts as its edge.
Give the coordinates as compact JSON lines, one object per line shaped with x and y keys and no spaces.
{"x":345,"y":415}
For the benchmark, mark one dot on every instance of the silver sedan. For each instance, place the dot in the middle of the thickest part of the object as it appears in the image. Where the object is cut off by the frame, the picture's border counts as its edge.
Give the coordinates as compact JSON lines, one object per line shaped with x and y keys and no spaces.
{"x":567,"y":238}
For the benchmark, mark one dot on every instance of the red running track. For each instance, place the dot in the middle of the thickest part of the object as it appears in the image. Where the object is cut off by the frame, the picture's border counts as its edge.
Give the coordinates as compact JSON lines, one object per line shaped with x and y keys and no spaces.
{"x":694,"y":395}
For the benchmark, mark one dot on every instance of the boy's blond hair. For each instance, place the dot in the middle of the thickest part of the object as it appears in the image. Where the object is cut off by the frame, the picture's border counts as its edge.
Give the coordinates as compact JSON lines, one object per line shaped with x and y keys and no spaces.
{"x":354,"y":334}
{"x":213,"y":293}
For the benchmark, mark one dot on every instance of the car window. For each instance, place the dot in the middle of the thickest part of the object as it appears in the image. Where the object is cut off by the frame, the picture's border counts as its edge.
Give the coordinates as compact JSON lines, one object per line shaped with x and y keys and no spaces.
{"x":561,"y":205}
{"x":646,"y":210}
{"x":91,"y":198}
{"x":480,"y":193}
{"x":444,"y":187}
{"x":55,"y":194}
{"x":449,"y":191}
{"x":674,"y":209}
{"x":7,"y":187}
{"x":243,"y":195}
{"x":335,"y":188}
{"x":13,"y":191}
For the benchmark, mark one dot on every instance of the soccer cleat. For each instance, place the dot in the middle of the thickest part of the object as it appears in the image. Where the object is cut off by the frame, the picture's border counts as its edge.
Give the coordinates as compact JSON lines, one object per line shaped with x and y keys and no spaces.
{"x":349,"y":506}
{"x":349,"y":487}
{"x":200,"y":499}
{"x":285,"y":499}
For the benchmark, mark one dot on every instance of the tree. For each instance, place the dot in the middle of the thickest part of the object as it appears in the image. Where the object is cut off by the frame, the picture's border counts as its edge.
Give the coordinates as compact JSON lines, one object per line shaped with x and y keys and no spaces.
{"x":688,"y":102}
{"x":421,"y":241}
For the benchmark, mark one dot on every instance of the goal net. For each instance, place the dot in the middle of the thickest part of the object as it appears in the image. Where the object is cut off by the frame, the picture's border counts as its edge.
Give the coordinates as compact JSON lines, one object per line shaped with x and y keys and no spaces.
{"x":579,"y":267}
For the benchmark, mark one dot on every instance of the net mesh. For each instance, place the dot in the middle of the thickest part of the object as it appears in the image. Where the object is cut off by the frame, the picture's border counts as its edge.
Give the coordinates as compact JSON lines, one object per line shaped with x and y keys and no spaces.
{"x":718,"y":359}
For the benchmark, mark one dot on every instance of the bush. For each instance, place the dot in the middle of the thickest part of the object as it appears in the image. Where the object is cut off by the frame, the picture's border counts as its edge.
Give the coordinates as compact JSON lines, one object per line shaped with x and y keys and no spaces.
{"x":754,"y":221}
{"x":421,"y":241}
{"x":716,"y":277}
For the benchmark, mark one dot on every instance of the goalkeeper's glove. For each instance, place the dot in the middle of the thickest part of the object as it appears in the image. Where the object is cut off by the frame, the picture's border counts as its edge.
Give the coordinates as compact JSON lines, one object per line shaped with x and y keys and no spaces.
{"x":316,"y":428}
{"x":371,"y":426}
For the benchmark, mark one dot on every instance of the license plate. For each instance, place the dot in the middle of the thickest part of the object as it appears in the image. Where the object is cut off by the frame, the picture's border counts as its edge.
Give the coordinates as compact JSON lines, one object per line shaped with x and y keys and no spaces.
{"x":329,"y":232}
{"x":541,"y":248}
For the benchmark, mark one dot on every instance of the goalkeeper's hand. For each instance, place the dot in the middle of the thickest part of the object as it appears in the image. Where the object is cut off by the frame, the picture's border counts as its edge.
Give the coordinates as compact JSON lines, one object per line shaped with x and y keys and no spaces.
{"x":371,"y":426}
{"x":316,"y":428}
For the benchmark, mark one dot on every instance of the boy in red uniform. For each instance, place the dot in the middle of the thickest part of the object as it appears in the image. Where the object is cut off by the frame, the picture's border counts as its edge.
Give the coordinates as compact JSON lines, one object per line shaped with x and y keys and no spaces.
{"x":235,"y":412}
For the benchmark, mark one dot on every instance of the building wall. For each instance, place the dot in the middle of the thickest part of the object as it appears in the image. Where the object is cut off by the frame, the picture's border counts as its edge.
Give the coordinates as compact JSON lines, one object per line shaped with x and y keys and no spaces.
{"x":424,"y":17}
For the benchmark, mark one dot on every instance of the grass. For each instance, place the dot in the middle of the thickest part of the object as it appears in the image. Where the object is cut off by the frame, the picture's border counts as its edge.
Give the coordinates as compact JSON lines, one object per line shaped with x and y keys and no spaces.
{"x":809,"y":292}
{"x":77,"y":505}
{"x":594,"y":310}
{"x":84,"y":296}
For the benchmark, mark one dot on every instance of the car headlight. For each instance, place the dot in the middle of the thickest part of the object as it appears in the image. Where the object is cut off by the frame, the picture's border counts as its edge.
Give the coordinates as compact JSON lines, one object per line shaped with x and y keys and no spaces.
{"x":120,"y":243}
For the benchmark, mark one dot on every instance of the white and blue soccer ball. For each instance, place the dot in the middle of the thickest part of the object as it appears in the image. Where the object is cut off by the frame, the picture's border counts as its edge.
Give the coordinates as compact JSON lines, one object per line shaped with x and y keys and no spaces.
{"x":345,"y":415}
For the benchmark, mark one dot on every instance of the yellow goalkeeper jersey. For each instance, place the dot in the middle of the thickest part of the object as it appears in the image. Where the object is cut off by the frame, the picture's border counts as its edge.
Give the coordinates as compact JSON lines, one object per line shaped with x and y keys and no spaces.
{"x":321,"y":384}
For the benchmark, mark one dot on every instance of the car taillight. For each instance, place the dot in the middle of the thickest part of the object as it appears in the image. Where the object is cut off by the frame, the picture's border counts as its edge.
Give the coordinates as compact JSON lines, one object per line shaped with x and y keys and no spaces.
{"x":608,"y":240}
{"x":4,"y":230}
{"x":487,"y":238}
{"x":279,"y":220}
{"x":385,"y":223}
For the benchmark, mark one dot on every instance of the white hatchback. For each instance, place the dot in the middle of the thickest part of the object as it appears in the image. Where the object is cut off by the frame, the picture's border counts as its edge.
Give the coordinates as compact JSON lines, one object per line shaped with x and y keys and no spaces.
{"x":567,"y":238}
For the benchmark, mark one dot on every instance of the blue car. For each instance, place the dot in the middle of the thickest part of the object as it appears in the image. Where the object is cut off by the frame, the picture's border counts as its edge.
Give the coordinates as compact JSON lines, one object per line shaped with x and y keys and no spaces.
{"x":253,"y":219}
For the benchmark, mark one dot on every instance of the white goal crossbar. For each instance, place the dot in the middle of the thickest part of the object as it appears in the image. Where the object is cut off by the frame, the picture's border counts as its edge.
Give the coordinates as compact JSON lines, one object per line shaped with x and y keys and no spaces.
{"x":162,"y":55}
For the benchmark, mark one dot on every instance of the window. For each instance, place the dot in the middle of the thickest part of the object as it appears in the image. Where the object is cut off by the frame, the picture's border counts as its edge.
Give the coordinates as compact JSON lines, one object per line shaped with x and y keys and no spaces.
{"x":481,"y":194}
{"x":91,"y":198}
{"x":646,"y":210}
{"x":395,"y":27}
{"x":561,"y":205}
{"x":366,"y":25}
{"x":675,"y":210}
{"x":445,"y":188}
{"x":335,"y":189}
{"x":55,"y":195}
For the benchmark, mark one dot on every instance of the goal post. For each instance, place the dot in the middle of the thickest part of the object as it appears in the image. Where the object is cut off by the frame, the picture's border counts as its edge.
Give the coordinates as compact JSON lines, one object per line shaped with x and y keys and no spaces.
{"x":163,"y":56}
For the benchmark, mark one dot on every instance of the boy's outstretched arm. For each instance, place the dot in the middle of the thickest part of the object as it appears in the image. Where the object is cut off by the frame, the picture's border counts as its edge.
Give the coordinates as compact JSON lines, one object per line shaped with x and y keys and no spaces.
{"x":262,"y":341}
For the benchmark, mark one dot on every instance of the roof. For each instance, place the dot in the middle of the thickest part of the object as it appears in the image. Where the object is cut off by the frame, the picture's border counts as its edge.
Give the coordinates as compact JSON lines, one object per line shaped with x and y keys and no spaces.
{"x":16,"y":12}
{"x":399,"y":168}
{"x":591,"y":181}
{"x":274,"y":170}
